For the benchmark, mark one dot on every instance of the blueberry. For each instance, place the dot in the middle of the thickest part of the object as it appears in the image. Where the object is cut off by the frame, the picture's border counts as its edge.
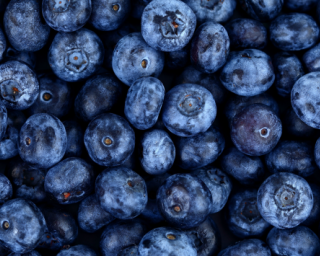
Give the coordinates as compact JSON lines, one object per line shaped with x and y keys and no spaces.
{"x":138,"y":7}
{"x":177,"y":60}
{"x":311,"y":59}
{"x":210,"y":47}
{"x":16,"y":118}
{"x":199,"y":150}
{"x":99,"y":94}
{"x":62,"y":229}
{"x":157,"y":152}
{"x":5,"y":189}
{"x":218,"y":183}
{"x":209,"y":81}
{"x":74,"y":138}
{"x":91,"y":217}
{"x":70,"y":181}
{"x":9,"y":144}
{"x":66,"y":15}
{"x":292,"y":156}
{"x":206,"y":237}
{"x":32,"y":253}
{"x":130,"y":251}
{"x":288,"y":69}
{"x":285,"y":200}
{"x":24,"y":28}
{"x":237,"y":103}
{"x":133,"y":58}
{"x":294,"y":32}
{"x":305,"y":99}
{"x":243,"y":217}
{"x":109,"y":140}
{"x":248,"y":170}
{"x":3,"y":45}
{"x":315,"y":212}
{"x":184,"y":201}
{"x":54,"y":97}
{"x":151,"y":212}
{"x":154,"y":183}
{"x":166,"y":241}
{"x":28,"y":58}
{"x":262,"y":10}
{"x":75,"y":56}
{"x":317,"y":152}
{"x":19,"y":85}
{"x":168,"y":25}
{"x":188,"y":109}
{"x":256,"y":130}
{"x":121,"y":234}
{"x":78,"y":250}
{"x":109,"y":14}
{"x":248,"y":72}
{"x":3,"y":120}
{"x":247,"y":33}
{"x":296,"y":241}
{"x":43,"y":141}
{"x":121,"y":192}
{"x":212,"y":10}
{"x":248,"y":247}
{"x":22,"y":225}
{"x":301,"y":5}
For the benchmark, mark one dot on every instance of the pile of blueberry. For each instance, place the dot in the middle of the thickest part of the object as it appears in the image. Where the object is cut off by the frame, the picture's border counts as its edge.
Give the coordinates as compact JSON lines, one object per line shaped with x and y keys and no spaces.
{"x":160,"y":128}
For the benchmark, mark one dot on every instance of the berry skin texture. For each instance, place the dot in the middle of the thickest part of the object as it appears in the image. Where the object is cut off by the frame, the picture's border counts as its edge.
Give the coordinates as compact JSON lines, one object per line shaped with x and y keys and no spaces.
{"x":311,"y":59}
{"x":248,"y":72}
{"x":109,"y":140}
{"x":285,"y":200}
{"x":144,"y":101}
{"x":210,"y":47}
{"x":19,"y":85}
{"x":9,"y":144}
{"x":121,"y":192}
{"x":3,"y":120}
{"x":5,"y":189}
{"x":188,"y":109}
{"x":248,"y":247}
{"x":168,"y":25}
{"x":78,"y":250}
{"x":305,"y":98}
{"x":75,"y":135}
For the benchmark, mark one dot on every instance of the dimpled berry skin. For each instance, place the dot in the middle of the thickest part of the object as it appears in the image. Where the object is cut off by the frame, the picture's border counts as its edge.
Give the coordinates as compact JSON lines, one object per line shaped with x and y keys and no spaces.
{"x":294,"y":242}
{"x":133,"y":58}
{"x":248,"y":170}
{"x":210,"y":47}
{"x":144,"y":101}
{"x":285,"y":200}
{"x":315,"y":212}
{"x":109,"y":140}
{"x":54,"y":97}
{"x":247,"y":33}
{"x":218,"y":183}
{"x":188,"y":109}
{"x":9,"y":144}
{"x":243,"y":217}
{"x":211,"y":10}
{"x":211,"y":82}
{"x":288,"y":69}
{"x":256,"y":130}
{"x":121,"y":234}
{"x":22,"y":225}
{"x":75,"y":135}
{"x":236,"y":103}
{"x":294,"y":32}
{"x":184,"y":201}
{"x":23,"y":26}
{"x":311,"y":59}
{"x":158,"y":152}
{"x":168,"y":25}
{"x":305,"y":99}
{"x":99,"y":95}
{"x":262,"y":10}
{"x":5,"y":189}
{"x":19,"y":85}
{"x":121,"y":192}
{"x":166,"y":241}
{"x":199,"y":150}
{"x":248,"y":247}
{"x":75,"y":56}
{"x":78,"y":250}
{"x":91,"y":217}
{"x":3,"y":120}
{"x":292,"y":156}
{"x":248,"y":72}
{"x":43,"y":141}
{"x":70,"y":181}
{"x":109,"y":14}
{"x":66,"y":15}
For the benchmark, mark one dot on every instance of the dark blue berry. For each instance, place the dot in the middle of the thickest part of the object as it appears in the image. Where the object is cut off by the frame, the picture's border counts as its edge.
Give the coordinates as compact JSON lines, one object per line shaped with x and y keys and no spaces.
{"x":75,"y":135}
{"x":248,"y":247}
{"x":315,"y":212}
{"x":311,"y":59}
{"x":78,"y":250}
{"x":9,"y":144}
{"x":5,"y":189}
